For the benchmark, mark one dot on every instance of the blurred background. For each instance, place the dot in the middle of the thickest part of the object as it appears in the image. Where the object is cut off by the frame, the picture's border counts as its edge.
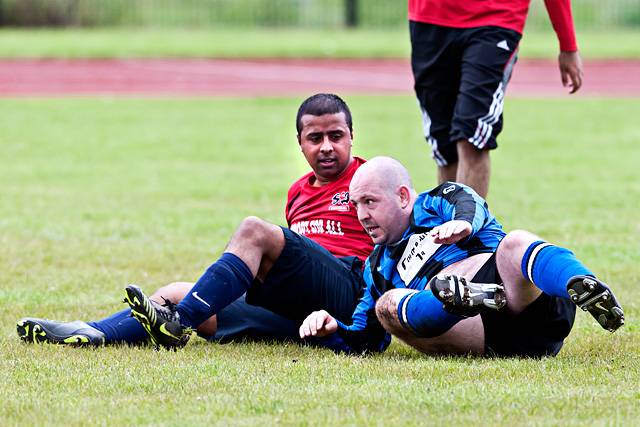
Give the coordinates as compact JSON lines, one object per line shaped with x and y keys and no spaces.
{"x":273,"y":28}
{"x":588,"y":14}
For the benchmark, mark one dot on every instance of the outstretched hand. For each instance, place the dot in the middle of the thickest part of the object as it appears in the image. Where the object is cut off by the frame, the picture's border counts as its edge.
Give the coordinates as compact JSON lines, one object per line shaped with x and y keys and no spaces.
{"x":571,"y":72}
{"x":318,"y":324}
{"x":451,"y":232}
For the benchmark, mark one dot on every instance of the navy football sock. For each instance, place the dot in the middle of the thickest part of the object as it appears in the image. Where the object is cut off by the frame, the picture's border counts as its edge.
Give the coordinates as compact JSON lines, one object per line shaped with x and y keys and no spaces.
{"x":224,"y":281}
{"x":550,"y":267}
{"x":120,"y":327}
{"x":422,"y":313}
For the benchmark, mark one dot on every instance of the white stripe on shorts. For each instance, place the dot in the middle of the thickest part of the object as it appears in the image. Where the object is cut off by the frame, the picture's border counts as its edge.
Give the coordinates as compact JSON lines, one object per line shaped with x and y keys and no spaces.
{"x":484,"y":129}
{"x":486,"y":122}
{"x":426,"y":126}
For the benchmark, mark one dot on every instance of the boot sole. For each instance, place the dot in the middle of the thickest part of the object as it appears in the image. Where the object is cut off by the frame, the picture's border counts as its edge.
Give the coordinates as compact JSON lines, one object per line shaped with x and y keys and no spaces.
{"x":595,"y":297}
{"x":133,"y":298}
{"x":32,"y":332}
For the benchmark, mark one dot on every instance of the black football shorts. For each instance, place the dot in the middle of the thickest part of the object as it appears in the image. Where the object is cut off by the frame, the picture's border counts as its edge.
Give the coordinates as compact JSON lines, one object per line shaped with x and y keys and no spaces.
{"x":538,"y":331}
{"x":461,"y":75}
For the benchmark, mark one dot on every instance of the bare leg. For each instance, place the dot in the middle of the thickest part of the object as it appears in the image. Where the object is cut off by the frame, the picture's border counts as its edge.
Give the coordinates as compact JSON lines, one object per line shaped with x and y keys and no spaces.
{"x":465,"y":337}
{"x":447,"y":173}
{"x":520,"y":292}
{"x":474,"y":167}
{"x":258,"y":243}
{"x":174,"y":292}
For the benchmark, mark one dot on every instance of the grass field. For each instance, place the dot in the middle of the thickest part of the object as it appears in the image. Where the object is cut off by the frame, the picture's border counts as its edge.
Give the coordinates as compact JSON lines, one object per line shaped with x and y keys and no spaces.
{"x":240,"y":43}
{"x":98,"y":193}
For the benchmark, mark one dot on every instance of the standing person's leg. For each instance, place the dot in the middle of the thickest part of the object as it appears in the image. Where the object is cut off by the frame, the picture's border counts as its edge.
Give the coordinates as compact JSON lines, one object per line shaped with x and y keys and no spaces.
{"x":436,"y":72}
{"x":474,"y":167}
{"x":488,"y":59}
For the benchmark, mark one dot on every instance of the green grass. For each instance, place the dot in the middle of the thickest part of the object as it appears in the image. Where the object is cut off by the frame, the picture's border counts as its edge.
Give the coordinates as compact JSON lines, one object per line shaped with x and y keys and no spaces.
{"x":242,"y":43}
{"x":97,"y":193}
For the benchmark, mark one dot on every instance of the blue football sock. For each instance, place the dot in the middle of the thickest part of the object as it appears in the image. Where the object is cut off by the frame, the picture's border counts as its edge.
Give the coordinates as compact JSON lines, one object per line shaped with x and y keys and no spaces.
{"x":422,"y":313}
{"x":550,"y":267}
{"x":120,"y":327}
{"x":224,"y":281}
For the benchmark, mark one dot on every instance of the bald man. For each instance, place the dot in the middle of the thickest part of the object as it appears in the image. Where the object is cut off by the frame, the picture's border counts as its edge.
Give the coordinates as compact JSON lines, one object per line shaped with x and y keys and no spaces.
{"x":446,"y":279}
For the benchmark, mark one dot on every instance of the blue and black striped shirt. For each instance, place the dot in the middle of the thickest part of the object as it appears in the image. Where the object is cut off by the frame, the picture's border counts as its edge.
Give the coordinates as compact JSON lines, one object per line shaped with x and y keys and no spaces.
{"x":415,"y":259}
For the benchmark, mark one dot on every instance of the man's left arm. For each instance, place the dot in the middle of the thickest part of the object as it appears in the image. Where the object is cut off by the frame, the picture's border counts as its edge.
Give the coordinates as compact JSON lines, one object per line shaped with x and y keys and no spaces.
{"x":569,"y":61}
{"x":462,"y":209}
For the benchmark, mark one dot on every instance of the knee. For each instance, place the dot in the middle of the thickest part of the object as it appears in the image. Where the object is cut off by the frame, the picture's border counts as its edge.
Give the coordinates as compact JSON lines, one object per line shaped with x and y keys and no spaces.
{"x":252,"y":229}
{"x":516,"y":241}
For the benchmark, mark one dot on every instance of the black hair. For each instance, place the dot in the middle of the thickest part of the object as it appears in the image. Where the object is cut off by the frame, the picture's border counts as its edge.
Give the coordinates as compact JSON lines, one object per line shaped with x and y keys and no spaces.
{"x":323,"y":103}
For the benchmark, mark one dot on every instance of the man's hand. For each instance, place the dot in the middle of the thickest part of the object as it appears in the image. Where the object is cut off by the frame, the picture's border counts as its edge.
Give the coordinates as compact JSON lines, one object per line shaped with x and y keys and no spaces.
{"x":451,"y":231}
{"x":318,"y":324}
{"x":571,"y":72}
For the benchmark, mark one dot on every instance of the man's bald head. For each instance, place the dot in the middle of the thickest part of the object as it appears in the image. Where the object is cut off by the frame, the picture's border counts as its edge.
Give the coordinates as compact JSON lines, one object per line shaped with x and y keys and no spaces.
{"x":386,"y":173}
{"x":382,"y":192}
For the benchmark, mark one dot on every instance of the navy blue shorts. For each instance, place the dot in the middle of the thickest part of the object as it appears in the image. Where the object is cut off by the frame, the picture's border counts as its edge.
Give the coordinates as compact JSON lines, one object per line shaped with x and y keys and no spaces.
{"x":305,"y":278}
{"x":241,"y":321}
{"x":460,"y":76}
{"x":538,"y":331}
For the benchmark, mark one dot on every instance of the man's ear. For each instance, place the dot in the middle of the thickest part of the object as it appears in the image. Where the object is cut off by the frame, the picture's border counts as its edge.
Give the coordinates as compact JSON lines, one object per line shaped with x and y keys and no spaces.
{"x":299,"y":141}
{"x":405,"y":196}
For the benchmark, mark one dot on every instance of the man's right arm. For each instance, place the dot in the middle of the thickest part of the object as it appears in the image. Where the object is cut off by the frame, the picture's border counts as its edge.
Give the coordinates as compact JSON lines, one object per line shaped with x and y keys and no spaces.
{"x":365,"y":334}
{"x":569,"y":60}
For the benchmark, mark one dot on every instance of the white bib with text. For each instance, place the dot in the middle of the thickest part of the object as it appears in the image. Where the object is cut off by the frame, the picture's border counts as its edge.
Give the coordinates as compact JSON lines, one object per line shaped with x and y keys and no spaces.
{"x":419,"y":249}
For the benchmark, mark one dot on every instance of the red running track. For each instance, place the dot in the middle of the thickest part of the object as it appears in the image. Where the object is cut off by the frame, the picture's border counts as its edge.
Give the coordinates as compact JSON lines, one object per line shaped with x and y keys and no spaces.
{"x":278,"y":77}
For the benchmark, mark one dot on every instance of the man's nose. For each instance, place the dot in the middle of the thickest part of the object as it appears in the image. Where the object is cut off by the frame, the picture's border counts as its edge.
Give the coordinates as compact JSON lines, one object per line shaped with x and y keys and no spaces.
{"x":326,"y":145}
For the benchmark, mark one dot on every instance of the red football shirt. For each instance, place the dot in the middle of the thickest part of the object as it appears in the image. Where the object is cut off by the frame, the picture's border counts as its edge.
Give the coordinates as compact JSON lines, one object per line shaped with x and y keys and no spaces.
{"x":510,"y":14}
{"x":325,"y":215}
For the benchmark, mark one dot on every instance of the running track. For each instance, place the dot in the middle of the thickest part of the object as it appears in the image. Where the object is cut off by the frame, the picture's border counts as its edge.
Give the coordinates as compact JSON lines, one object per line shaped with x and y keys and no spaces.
{"x":278,"y":77}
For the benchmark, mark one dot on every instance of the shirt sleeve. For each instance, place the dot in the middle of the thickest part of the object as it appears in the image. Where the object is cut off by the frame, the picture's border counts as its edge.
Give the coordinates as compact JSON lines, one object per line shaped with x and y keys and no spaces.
{"x":365,"y":334}
{"x":292,"y":195}
{"x":453,"y":201}
{"x":560,"y":15}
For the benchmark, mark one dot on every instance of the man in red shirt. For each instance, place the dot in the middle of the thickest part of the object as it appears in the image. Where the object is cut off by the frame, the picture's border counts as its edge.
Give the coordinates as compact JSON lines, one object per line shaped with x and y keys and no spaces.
{"x":462,"y":56}
{"x":286,"y":273}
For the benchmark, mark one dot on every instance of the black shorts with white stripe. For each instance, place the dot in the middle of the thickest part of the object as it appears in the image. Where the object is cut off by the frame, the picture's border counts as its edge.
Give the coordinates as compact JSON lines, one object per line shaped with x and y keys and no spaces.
{"x":461,"y":75}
